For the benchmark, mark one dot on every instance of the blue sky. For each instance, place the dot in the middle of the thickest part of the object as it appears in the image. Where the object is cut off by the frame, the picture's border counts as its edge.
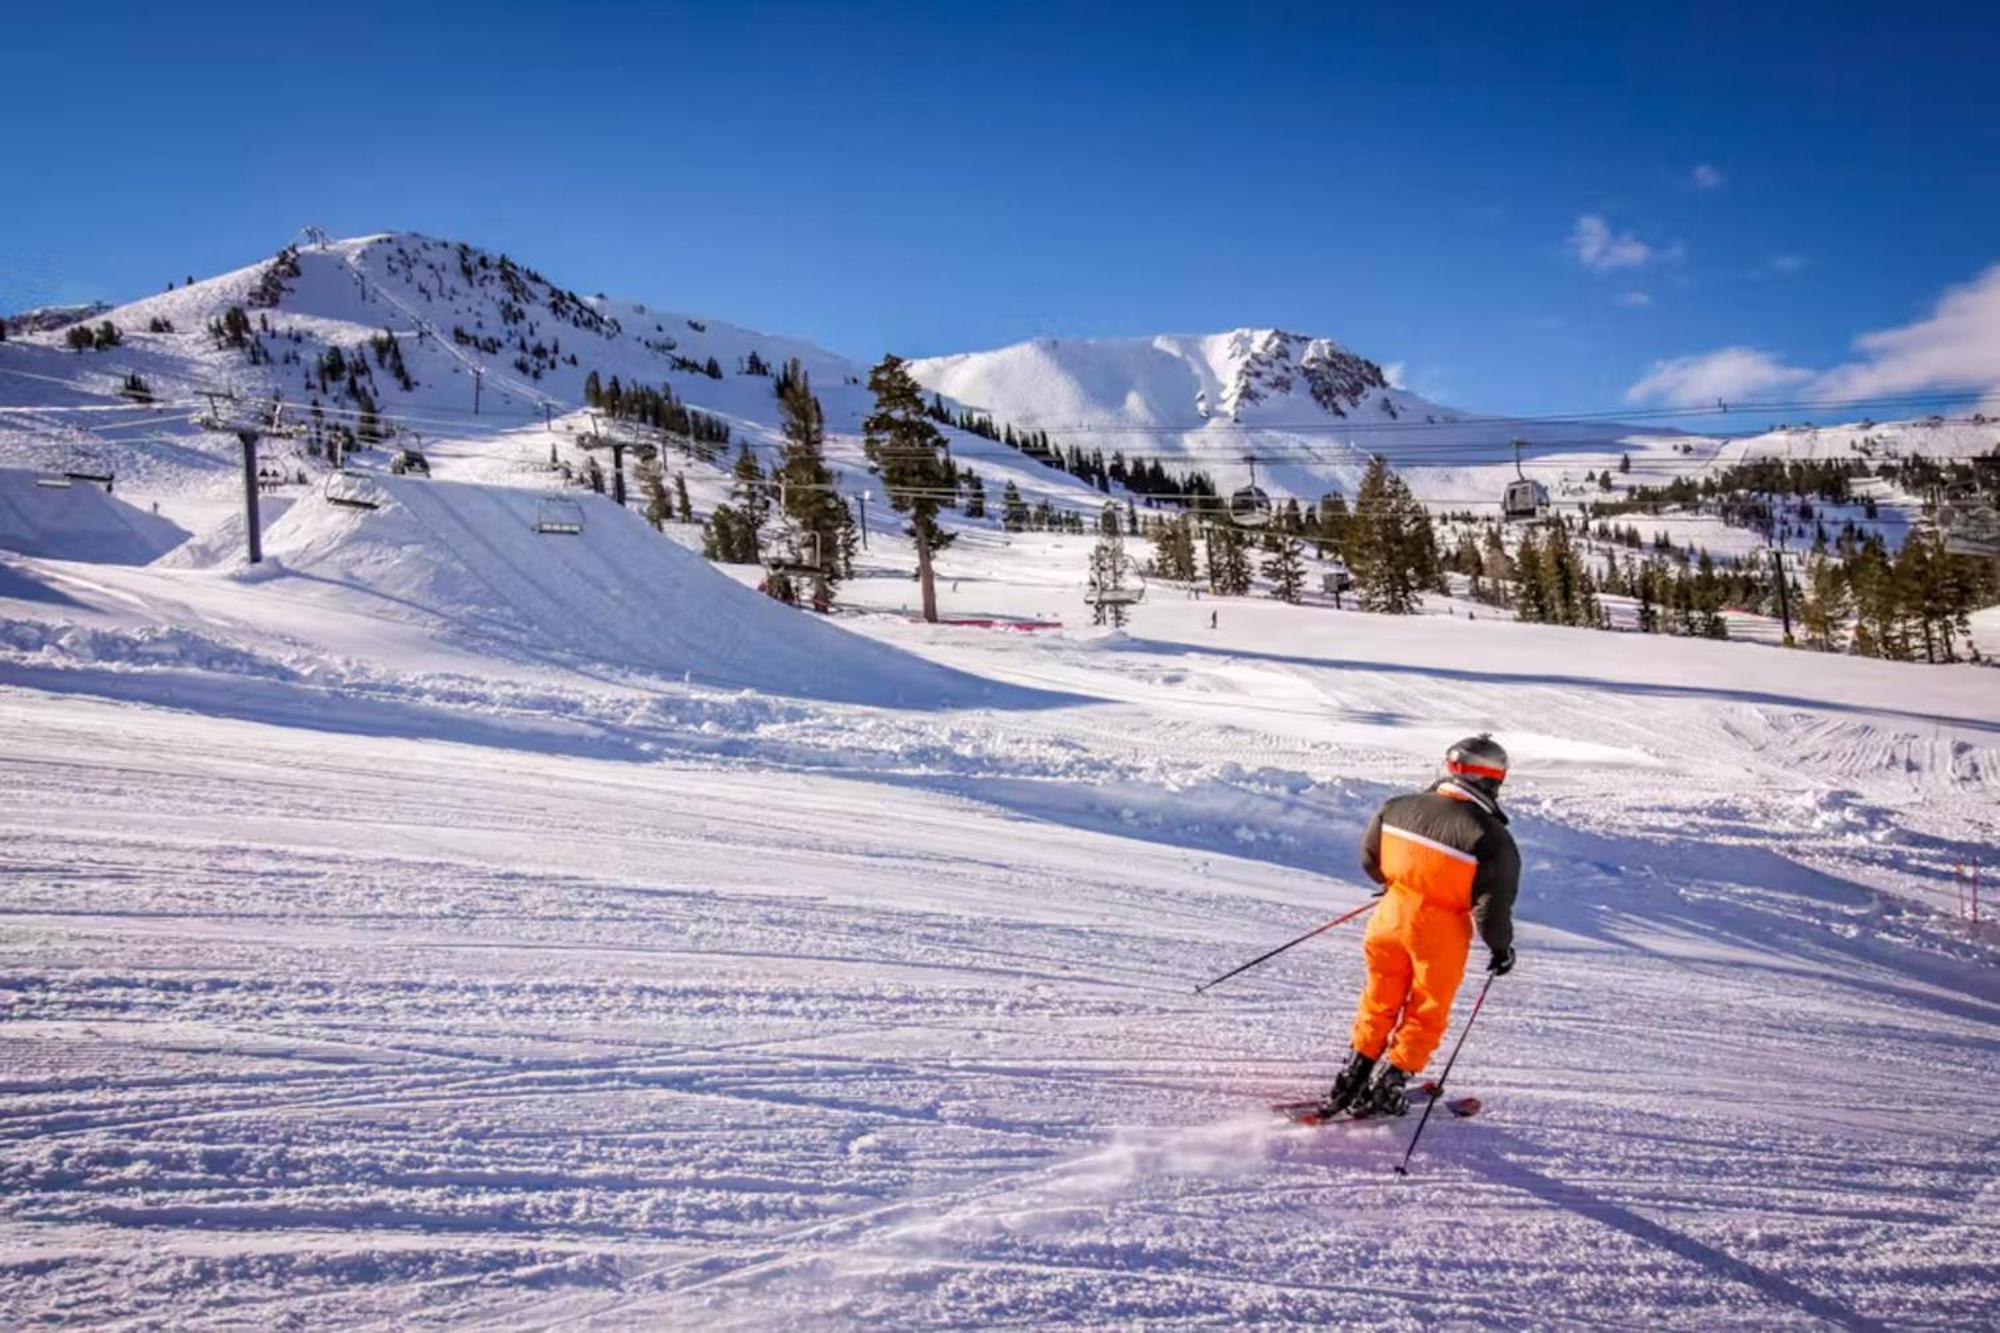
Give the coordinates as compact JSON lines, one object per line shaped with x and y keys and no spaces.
{"x":1529,"y":212}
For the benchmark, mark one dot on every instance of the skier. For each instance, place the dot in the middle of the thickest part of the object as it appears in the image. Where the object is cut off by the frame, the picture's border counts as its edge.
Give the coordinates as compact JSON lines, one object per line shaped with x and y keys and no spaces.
{"x":1446,"y":864}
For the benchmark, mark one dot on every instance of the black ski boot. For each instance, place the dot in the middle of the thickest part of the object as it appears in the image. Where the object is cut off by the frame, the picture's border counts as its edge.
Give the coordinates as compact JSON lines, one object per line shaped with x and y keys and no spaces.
{"x":1348,"y":1084}
{"x":1385,"y":1096}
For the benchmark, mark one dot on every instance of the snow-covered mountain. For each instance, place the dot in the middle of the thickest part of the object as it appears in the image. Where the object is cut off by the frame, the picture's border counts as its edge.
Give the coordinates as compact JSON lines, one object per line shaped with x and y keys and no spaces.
{"x":412,"y":333}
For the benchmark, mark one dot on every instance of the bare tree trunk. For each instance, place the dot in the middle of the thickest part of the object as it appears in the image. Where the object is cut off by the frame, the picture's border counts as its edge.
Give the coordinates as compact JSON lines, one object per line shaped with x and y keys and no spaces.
{"x":924,"y":570}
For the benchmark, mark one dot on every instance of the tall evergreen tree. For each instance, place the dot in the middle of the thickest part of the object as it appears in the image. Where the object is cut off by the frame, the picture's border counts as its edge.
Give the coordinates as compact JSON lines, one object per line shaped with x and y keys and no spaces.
{"x":906,"y":446}
{"x":1391,"y":548}
{"x":1285,"y":566}
{"x":813,"y":511}
{"x":1013,"y":509}
{"x":653,"y":486}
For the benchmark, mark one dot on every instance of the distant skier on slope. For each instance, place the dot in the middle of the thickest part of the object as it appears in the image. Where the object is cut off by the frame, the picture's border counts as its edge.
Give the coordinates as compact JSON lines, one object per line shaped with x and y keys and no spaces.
{"x":1446,"y":864}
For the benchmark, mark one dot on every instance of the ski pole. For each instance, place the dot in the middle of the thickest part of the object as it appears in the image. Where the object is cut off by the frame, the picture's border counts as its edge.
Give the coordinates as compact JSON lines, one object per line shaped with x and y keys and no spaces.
{"x":1403,"y":1167}
{"x":1316,"y":930}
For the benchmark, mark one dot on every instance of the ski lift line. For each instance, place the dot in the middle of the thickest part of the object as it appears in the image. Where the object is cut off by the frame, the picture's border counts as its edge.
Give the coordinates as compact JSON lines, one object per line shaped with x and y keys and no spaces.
{"x":451,"y":417}
{"x":451,"y":349}
{"x":1614,"y":416}
{"x":1611,"y":415}
{"x":1628,"y":413}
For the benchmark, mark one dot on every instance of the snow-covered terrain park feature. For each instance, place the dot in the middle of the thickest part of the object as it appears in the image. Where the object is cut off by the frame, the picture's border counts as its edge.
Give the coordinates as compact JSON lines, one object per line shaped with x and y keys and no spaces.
{"x":485,"y":911}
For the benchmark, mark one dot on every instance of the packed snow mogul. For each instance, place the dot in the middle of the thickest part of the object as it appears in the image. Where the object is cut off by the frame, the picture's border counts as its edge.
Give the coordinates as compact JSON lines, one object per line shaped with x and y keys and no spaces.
{"x":1447,"y":865}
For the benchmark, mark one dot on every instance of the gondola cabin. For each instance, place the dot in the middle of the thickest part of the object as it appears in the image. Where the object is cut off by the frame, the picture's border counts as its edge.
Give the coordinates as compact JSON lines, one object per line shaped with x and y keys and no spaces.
{"x":1250,"y":507}
{"x":1524,"y":499}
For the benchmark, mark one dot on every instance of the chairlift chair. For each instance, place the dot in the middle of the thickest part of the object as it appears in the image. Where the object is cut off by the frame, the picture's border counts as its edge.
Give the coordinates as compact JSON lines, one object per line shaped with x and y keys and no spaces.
{"x":786,"y":557}
{"x":1131,"y":593}
{"x":349,"y":491}
{"x":1969,"y":529}
{"x":557,"y":516}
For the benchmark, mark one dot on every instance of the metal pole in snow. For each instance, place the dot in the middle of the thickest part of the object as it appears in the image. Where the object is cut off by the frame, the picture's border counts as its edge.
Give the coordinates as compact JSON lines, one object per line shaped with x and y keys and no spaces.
{"x":1784,"y":596}
{"x":249,"y":439}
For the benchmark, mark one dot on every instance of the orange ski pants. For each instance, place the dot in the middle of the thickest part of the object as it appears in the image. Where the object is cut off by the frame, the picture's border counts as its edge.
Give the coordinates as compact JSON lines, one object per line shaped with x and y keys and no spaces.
{"x":1416,"y":958}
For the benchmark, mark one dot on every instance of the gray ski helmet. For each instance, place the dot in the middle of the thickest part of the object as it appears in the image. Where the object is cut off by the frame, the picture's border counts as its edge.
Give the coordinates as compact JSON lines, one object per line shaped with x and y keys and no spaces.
{"x":1477,"y":759}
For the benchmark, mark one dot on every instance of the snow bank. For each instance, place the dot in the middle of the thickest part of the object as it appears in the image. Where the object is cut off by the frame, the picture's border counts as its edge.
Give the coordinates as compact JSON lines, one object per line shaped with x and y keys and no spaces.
{"x":78,"y":521}
{"x":466,"y":563}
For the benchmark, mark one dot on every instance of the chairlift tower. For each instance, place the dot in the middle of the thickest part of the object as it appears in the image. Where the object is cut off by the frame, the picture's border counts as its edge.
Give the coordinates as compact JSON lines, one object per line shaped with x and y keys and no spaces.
{"x":247,"y":419}
{"x":600,"y":438}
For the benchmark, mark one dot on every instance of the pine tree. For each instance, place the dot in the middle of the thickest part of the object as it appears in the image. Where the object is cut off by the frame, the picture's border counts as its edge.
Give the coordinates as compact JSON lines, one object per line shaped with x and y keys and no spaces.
{"x":1708,"y":599}
{"x":906,"y":446}
{"x":812,"y":508}
{"x":1285,"y":566}
{"x":681,"y":501}
{"x":1531,"y":593}
{"x":975,"y":496}
{"x":1173,"y":549}
{"x":653,"y":485}
{"x":1823,"y":612}
{"x":1391,"y":548}
{"x":752,"y":505}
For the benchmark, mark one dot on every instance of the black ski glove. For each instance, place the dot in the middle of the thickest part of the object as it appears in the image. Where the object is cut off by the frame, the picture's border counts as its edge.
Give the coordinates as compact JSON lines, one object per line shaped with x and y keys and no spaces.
{"x":1503,"y":962}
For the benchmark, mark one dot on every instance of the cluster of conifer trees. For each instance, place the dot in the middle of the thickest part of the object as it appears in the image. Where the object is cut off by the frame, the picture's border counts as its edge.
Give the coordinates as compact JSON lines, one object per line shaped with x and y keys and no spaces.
{"x":658,"y":409}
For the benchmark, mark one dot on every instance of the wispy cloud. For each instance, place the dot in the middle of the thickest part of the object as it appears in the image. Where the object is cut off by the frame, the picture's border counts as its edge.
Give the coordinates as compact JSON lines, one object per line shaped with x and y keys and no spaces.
{"x":1393,"y":372}
{"x":1708,"y":377}
{"x":1707,"y":177}
{"x":1788,"y":264}
{"x":1635,"y":299}
{"x":1602,"y":249}
{"x":1955,"y":347}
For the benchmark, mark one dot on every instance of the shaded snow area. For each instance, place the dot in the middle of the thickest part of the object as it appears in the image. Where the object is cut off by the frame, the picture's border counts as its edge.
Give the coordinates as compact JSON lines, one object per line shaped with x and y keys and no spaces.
{"x":527,"y":931}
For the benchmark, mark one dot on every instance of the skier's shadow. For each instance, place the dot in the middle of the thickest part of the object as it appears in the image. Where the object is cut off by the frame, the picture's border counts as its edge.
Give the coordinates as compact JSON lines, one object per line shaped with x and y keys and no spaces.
{"x":1496,"y":1160}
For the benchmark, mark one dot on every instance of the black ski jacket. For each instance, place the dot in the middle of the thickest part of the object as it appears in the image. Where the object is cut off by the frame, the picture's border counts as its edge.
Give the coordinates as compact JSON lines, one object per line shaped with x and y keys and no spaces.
{"x":1439,"y":838}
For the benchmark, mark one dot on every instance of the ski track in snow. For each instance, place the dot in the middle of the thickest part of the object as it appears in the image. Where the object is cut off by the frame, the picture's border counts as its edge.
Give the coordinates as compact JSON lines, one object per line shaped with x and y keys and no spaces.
{"x":865,"y":1017}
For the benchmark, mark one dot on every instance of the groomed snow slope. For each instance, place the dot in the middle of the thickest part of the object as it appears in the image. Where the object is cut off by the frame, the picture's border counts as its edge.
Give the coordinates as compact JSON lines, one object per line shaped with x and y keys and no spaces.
{"x":757,"y":1010}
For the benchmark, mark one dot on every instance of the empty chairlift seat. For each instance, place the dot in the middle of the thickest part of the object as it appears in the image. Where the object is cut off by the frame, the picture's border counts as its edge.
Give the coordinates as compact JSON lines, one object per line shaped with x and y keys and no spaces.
{"x":556,"y":516}
{"x":351,"y":492}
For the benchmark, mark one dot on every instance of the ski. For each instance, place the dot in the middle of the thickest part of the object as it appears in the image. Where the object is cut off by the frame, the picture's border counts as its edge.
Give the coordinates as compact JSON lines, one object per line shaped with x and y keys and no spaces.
{"x":1308,"y":1112}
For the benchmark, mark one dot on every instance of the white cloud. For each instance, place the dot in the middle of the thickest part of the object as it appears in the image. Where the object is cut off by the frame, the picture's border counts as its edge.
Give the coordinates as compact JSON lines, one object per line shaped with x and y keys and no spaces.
{"x":1601,"y":250}
{"x":1956,"y":346}
{"x":1733,"y":372}
{"x":1706,"y":177}
{"x":1789,"y":264}
{"x":1393,"y":372}
{"x":1635,"y":299}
